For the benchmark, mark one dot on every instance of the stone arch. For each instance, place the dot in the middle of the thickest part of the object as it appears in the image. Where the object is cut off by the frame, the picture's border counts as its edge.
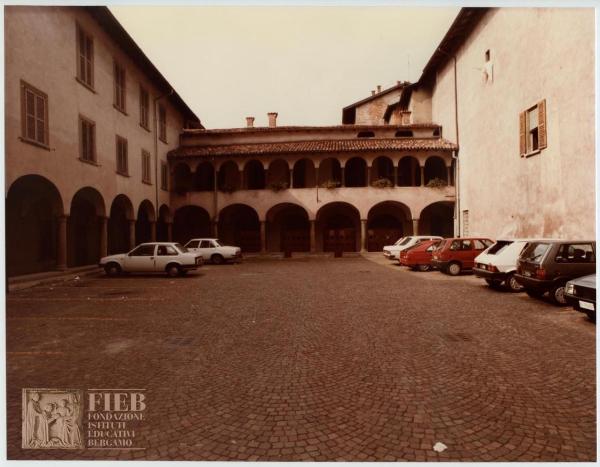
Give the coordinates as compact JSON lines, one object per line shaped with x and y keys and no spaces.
{"x":409,"y":172}
{"x":387,"y":222}
{"x":120,"y":225}
{"x":162,"y":223}
{"x":182,"y":178}
{"x":355,"y":172}
{"x":229,"y":178}
{"x":85,"y":228}
{"x":437,"y":219}
{"x":239,"y":225}
{"x":33,"y":206}
{"x":278,"y":175}
{"x":304,"y":174}
{"x":254,"y":175}
{"x":144,"y":224}
{"x":435,"y":167}
{"x":330,"y":171}
{"x":190,"y":222}
{"x":338,"y":227}
{"x":287,"y":228}
{"x":204,"y":177}
{"x":382,"y":168}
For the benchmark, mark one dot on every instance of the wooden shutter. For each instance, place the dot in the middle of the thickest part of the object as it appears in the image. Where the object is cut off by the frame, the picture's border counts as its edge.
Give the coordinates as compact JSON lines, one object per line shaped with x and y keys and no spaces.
{"x":523,"y":133}
{"x":542,"y":133}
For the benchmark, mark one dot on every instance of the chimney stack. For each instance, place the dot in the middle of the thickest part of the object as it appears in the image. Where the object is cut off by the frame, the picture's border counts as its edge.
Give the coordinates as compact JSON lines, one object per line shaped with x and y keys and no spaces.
{"x":272,"y":119}
{"x":372,"y":92}
{"x":249,"y":122}
{"x":378,"y":88}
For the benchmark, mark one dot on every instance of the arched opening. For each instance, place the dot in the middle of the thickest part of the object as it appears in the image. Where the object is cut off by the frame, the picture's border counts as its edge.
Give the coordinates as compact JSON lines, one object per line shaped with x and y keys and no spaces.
{"x":382,"y":169}
{"x":204,"y":178}
{"x":365,"y":134}
{"x":386,"y":223}
{"x":409,"y":172}
{"x":84,"y":227}
{"x":229,"y":177}
{"x":330,"y":173}
{"x":404,"y":134}
{"x":435,"y":170}
{"x":278,"y":175}
{"x":254,"y":175}
{"x":338,"y":227}
{"x":239,"y":226}
{"x":182,"y":178}
{"x":288,"y":228}
{"x":437,"y":219}
{"x":355,"y":172}
{"x":33,"y":205}
{"x":304,"y":174}
{"x":121,"y":213}
{"x":190,"y":222}
{"x":162,"y":224}
{"x":143,"y":223}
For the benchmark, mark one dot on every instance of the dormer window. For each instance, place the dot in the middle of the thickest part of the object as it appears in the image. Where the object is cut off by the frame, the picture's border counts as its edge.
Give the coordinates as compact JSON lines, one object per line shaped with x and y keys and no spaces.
{"x":365,"y":134}
{"x":404,"y":134}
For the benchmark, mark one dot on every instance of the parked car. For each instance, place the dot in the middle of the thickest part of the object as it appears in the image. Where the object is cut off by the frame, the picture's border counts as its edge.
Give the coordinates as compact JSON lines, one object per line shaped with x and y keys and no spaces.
{"x":498,"y":263}
{"x":580,"y":293}
{"x":392,"y":252}
{"x":418,"y":257}
{"x":546,"y":266}
{"x":212,"y":250}
{"x":458,"y":254}
{"x":167,"y":257}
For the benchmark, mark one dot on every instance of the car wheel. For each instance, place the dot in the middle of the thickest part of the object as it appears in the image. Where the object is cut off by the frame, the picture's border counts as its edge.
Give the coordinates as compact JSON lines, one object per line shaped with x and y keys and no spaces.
{"x":173,"y":270}
{"x":534,"y":293}
{"x":512,"y":284}
{"x":454,"y":269}
{"x":424,"y":267}
{"x":112,"y":269}
{"x":217,"y":259}
{"x":493,"y":283}
{"x":558,"y":294}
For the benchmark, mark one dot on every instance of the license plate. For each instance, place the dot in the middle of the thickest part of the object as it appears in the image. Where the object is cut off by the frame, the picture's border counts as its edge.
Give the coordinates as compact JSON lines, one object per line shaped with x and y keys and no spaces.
{"x":586,"y":305}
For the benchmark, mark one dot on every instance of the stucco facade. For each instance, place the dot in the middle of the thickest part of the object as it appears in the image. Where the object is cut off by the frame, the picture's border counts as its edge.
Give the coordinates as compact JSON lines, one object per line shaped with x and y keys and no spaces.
{"x":547,"y":193}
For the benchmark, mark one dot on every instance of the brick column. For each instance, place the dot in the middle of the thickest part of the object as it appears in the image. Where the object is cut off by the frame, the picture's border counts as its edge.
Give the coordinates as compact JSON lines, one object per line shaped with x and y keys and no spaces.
{"x":263,"y":237}
{"x":61,"y":247}
{"x":449,"y":174}
{"x":395,"y":175}
{"x":292,"y":178}
{"x":313,"y":236}
{"x":415,"y":223}
{"x":103,"y":221}
{"x":131,"y":234}
{"x":170,"y":231}
{"x":368,"y":175}
{"x":153,"y":231}
{"x":363,"y":235}
{"x":343,"y":180}
{"x":422,"y":176}
{"x":215,"y":229}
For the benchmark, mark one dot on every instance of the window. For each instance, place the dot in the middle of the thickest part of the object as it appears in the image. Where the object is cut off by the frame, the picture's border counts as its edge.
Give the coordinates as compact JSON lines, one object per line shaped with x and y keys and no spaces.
{"x":144,"y":106}
{"x":146,"y":177}
{"x":576,"y":253}
{"x":119,"y":87}
{"x":532,"y":128}
{"x":193,"y":244}
{"x":499,"y":246}
{"x":34,"y":115}
{"x":166,"y":250}
{"x":85,"y":58}
{"x":205,"y":244}
{"x":143,"y":250}
{"x":122,"y":166}
{"x":164,"y":176}
{"x":487,"y":55}
{"x":87,"y":140}
{"x":162,"y":123}
{"x":479,"y":245}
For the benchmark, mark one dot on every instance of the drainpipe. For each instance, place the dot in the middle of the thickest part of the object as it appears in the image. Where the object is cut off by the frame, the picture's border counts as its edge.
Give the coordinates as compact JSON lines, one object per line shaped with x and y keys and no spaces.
{"x":155,"y":109}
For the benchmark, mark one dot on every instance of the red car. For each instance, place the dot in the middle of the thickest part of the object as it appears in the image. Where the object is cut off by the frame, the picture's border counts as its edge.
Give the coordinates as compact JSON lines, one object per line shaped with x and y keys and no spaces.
{"x":458,"y":254}
{"x":419,"y":256}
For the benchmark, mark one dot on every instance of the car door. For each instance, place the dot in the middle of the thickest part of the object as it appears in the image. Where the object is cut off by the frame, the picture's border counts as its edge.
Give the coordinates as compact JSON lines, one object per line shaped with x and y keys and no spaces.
{"x":193,"y":245}
{"x":141,"y":259}
{"x":206,"y":249}
{"x":164,"y":255}
{"x":465,"y":254}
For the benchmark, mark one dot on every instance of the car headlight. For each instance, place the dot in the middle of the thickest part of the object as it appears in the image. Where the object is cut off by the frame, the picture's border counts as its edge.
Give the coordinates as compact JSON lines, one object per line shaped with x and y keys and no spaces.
{"x":570,"y":289}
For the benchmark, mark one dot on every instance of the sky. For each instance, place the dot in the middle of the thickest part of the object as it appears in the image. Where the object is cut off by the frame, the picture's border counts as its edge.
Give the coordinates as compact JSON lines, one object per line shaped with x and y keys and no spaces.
{"x":305,"y":63}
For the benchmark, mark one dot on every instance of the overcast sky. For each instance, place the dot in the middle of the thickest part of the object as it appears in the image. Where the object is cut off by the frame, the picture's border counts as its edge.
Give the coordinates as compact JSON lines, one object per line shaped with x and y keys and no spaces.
{"x":306,"y":63}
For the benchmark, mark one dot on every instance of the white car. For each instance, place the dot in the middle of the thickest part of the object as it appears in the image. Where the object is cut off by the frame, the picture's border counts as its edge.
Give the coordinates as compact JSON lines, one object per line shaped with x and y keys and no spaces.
{"x":167,"y":257}
{"x":393,"y":251}
{"x":212,"y":250}
{"x":498,"y":263}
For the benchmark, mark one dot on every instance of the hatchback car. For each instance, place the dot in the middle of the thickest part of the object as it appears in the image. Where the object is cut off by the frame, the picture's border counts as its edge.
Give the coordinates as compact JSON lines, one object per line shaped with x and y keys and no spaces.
{"x":546,"y":266}
{"x":392,"y":252}
{"x":212,"y":250}
{"x":580,"y":293}
{"x":455,"y":255}
{"x":171,"y":258}
{"x":418,"y":257}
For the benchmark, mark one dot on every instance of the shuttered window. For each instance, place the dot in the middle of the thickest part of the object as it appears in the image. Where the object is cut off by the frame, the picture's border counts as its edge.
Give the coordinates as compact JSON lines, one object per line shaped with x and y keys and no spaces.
{"x":164,"y":174}
{"x":85,"y":58}
{"x":87,"y":140}
{"x":122,"y":164}
{"x":34,"y":115}
{"x":162,"y":123}
{"x":119,"y":87}
{"x":146,"y":177}
{"x":533,"y":135}
{"x":144,"y":106}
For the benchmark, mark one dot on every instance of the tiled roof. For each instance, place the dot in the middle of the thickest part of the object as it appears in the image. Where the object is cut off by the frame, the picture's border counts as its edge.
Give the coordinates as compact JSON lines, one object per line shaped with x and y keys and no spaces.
{"x":298,"y":128}
{"x":316,"y":146}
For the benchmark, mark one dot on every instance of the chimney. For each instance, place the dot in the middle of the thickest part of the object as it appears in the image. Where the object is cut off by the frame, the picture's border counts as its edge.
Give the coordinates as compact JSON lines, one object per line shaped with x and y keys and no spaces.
{"x":372,"y":92}
{"x":378,"y":88}
{"x":272,"y":119}
{"x":249,"y":122}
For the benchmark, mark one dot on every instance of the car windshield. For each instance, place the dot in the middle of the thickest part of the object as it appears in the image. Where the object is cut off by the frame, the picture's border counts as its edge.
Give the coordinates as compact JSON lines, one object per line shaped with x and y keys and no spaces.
{"x":405,"y":241}
{"x":498,"y":247}
{"x":535,"y":251}
{"x":181,"y":248}
{"x":399,"y":241}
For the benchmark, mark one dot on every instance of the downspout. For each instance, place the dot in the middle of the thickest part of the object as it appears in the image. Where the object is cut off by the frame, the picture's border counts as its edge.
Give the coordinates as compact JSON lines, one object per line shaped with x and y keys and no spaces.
{"x":155,"y":109}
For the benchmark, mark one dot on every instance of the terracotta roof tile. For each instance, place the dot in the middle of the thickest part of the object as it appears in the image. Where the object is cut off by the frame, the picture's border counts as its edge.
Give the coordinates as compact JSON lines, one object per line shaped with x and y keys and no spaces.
{"x":316,"y":146}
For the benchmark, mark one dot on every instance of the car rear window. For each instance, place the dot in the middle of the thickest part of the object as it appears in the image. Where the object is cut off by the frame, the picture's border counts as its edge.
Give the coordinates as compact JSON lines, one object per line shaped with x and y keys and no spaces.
{"x":498,"y":247}
{"x":534,"y":252}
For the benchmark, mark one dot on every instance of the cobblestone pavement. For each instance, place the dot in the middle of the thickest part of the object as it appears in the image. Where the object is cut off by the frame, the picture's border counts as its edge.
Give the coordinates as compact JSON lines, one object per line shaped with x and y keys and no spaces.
{"x":314,"y":359}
